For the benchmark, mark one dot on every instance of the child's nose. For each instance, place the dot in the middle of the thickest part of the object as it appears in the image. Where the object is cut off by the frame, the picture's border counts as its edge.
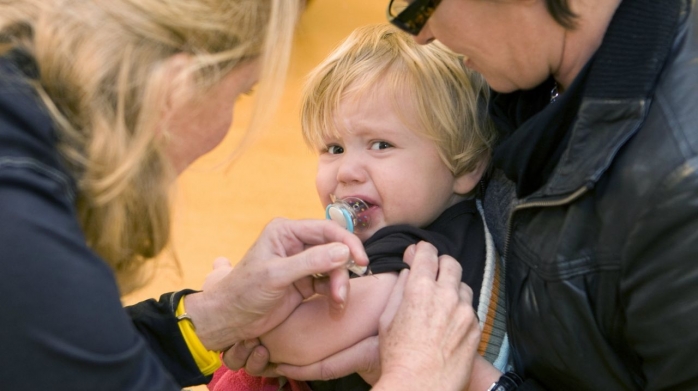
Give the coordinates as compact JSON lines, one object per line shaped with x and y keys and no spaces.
{"x":351,"y":169}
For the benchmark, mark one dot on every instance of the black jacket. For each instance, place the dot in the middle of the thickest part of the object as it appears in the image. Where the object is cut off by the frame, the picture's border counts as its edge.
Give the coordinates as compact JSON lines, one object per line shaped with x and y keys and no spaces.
{"x":63,"y":325}
{"x":602,"y":259}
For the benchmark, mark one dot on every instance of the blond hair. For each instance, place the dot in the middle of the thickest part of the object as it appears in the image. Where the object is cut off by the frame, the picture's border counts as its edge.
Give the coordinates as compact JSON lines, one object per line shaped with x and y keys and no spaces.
{"x":102,"y":78}
{"x":447,"y":100}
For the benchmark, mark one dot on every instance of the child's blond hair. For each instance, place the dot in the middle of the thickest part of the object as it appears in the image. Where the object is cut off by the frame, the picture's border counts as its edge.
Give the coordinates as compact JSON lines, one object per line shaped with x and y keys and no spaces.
{"x":448,"y":100}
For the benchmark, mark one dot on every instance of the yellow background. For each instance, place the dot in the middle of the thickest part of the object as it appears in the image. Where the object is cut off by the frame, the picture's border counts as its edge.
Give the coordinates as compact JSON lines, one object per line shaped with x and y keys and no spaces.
{"x":220,"y":208}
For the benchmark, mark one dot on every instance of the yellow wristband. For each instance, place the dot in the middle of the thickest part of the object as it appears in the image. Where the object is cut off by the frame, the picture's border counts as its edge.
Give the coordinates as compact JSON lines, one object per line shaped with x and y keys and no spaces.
{"x":207,"y":360}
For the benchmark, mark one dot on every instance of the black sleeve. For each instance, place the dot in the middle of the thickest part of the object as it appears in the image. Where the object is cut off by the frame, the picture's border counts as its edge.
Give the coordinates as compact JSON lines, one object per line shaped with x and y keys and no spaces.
{"x":63,"y":324}
{"x":156,"y":322}
{"x":386,"y":247}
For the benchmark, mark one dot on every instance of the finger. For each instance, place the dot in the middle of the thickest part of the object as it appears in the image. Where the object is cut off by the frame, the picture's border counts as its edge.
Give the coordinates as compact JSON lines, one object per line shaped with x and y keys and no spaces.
{"x":425,"y":263}
{"x":221,"y":262}
{"x":465,"y":294}
{"x":450,"y":272}
{"x":236,"y":357}
{"x":408,"y":256}
{"x":339,"y":287}
{"x":315,"y":260}
{"x":318,"y":232}
{"x":361,"y":357}
{"x":320,"y":286}
{"x":394,"y":300}
{"x":335,"y":286}
{"x":258,"y":363}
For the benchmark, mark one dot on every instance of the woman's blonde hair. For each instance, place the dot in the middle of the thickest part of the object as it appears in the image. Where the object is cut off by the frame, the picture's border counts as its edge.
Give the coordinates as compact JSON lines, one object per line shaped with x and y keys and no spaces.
{"x":103,"y":79}
{"x":447,"y":100}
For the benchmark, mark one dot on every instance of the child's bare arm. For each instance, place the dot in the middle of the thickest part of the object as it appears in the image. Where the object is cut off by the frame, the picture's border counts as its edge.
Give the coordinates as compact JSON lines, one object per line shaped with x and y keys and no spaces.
{"x":313,"y":331}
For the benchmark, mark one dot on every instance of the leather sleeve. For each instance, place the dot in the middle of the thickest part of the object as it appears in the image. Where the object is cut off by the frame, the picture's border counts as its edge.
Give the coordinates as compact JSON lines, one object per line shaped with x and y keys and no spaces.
{"x":659,"y":283}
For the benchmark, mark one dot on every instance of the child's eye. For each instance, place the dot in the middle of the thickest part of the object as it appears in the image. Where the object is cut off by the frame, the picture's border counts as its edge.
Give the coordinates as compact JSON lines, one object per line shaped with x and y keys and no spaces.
{"x":334,"y":149}
{"x":381,"y":145}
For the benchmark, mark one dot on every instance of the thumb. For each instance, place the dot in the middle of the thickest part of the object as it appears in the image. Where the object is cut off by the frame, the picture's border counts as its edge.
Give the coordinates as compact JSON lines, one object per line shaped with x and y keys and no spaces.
{"x":361,"y":357}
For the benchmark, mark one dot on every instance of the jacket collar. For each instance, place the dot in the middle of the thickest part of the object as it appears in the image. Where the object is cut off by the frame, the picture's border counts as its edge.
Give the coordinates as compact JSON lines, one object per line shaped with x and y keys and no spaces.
{"x":618,"y":91}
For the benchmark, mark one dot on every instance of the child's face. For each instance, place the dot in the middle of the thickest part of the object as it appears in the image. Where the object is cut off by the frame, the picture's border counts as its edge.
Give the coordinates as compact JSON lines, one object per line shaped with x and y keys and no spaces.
{"x":396,"y":171}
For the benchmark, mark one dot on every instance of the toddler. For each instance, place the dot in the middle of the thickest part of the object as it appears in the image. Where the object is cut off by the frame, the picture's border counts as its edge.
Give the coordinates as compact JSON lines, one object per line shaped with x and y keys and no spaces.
{"x":402,"y":127}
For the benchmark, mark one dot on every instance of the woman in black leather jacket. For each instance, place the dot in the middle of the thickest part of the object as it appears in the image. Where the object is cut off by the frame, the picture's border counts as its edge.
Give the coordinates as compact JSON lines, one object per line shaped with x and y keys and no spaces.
{"x":593,"y":198}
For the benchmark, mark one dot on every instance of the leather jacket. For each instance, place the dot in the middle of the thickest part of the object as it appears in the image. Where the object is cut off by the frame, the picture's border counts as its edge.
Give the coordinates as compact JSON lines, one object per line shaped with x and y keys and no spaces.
{"x":601,"y":262}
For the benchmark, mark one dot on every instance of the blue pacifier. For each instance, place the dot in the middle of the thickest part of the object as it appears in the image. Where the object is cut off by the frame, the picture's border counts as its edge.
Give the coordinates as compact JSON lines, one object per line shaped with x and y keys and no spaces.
{"x":350,"y":214}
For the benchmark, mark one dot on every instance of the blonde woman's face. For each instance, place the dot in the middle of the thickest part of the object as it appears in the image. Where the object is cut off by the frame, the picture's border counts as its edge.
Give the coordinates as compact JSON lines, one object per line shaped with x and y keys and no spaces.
{"x":197,"y":127}
{"x":377,"y":158}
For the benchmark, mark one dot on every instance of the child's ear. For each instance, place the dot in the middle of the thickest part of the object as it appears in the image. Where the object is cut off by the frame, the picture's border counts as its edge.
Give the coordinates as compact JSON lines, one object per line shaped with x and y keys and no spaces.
{"x":465,"y":183}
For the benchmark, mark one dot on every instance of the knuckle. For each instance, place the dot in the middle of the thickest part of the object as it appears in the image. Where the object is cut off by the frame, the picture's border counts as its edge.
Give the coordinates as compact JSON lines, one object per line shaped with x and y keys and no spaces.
{"x":327,"y":372}
{"x":276,"y":222}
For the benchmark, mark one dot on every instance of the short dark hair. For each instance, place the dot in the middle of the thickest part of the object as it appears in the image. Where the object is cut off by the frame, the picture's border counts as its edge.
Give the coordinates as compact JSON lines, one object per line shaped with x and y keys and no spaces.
{"x":562,"y":13}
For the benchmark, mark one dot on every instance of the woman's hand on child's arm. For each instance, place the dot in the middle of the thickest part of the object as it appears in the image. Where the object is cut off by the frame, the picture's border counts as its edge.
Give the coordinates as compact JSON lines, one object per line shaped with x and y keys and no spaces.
{"x":432,"y":341}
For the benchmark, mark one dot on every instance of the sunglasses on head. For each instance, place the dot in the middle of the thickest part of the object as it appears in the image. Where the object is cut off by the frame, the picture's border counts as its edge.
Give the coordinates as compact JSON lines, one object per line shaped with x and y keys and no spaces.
{"x":411,"y":15}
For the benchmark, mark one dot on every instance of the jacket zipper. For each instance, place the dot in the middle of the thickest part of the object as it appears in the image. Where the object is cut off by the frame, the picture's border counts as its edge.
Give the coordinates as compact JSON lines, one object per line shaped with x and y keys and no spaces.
{"x":534,"y":204}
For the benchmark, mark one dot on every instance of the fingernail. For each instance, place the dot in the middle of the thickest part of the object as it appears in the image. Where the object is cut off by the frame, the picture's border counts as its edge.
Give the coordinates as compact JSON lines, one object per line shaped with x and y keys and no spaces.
{"x":339,"y":253}
{"x":343,"y":294}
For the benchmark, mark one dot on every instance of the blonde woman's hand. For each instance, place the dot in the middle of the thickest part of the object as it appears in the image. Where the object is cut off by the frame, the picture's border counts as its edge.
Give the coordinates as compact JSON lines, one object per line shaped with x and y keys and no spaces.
{"x":271,"y":280}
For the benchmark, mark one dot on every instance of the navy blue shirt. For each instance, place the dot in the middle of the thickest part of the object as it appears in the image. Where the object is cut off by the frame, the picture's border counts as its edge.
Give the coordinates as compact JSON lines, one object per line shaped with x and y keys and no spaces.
{"x":63,"y":324}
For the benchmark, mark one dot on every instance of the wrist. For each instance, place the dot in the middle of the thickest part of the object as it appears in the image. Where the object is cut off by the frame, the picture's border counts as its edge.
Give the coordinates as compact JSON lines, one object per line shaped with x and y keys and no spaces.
{"x":509,"y":381}
{"x":203,"y":315}
{"x":389,"y":383}
{"x":404,"y":380}
{"x":484,"y":374}
{"x":207,"y":360}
